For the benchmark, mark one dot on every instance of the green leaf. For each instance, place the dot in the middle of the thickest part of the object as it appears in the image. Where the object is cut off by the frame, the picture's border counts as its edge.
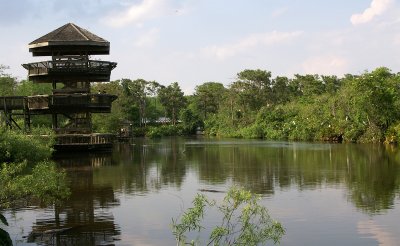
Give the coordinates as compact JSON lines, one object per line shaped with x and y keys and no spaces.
{"x":3,"y":219}
{"x":5,"y":239}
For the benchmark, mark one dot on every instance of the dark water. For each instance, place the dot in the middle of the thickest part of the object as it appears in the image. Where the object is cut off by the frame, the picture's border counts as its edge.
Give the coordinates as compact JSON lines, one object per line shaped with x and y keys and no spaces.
{"x":324,"y":194}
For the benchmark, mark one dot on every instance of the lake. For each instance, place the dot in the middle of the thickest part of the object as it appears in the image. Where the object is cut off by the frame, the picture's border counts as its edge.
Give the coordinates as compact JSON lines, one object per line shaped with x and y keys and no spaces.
{"x":323,"y":194}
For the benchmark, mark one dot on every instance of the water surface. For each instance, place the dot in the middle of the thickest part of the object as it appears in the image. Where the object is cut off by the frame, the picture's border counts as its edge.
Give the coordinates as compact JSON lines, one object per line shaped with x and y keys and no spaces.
{"x":323,"y":194}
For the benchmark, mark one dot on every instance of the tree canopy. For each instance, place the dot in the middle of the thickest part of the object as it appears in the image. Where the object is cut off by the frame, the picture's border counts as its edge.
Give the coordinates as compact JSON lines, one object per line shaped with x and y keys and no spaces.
{"x":356,"y":108}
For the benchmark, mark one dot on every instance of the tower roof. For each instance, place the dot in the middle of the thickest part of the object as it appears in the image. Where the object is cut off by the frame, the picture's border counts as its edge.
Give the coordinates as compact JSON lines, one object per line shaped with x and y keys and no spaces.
{"x":69,"y":39}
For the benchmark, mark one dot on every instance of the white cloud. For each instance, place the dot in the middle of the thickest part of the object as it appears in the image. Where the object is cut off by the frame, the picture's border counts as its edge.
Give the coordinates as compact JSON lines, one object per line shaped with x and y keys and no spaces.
{"x":326,"y":64}
{"x":279,"y":12}
{"x":147,"y":39}
{"x":376,"y":8}
{"x":248,"y":43}
{"x":396,"y":39}
{"x":137,"y":13}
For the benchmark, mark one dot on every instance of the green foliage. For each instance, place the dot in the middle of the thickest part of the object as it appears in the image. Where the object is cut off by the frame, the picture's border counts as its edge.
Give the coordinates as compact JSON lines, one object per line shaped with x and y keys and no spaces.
{"x":244,"y":221}
{"x":393,"y":134}
{"x":207,"y":98}
{"x":17,"y":183}
{"x":308,"y":85}
{"x":164,"y":130}
{"x":191,"y":219}
{"x":28,"y":88}
{"x":25,"y":171}
{"x":137,"y":93}
{"x":7,"y":83}
{"x":107,"y":123}
{"x":190,"y":121}
{"x":7,"y":86}
{"x":17,"y":147}
{"x":355,"y":108}
{"x":173,"y":100}
{"x":362,"y":108}
{"x":44,"y":181}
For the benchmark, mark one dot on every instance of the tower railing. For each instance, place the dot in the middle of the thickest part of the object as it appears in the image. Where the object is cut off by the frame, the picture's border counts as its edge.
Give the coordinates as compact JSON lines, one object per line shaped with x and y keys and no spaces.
{"x":70,"y":100}
{"x":69,"y":66}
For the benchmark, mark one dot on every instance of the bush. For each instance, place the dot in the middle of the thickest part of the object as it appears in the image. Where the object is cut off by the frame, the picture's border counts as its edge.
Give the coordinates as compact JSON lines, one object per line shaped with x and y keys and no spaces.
{"x":164,"y":130}
{"x":253,"y":131}
{"x":211,"y":126}
{"x":372,"y":134}
{"x":392,"y":135}
{"x":19,"y":181}
{"x":17,"y":147}
{"x":44,"y":181}
{"x":244,"y":221}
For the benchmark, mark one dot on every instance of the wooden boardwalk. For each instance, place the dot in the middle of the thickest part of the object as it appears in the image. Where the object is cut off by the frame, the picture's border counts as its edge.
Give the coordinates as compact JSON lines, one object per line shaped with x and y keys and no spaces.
{"x":12,"y":107}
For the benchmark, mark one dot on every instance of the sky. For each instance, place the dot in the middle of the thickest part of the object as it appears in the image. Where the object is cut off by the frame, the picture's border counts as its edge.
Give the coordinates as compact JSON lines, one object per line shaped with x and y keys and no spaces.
{"x":197,"y":41}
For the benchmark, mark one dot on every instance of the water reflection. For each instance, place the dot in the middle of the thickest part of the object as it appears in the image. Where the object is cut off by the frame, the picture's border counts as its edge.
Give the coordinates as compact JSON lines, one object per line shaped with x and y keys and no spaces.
{"x":368,"y":174}
{"x":84,"y":218}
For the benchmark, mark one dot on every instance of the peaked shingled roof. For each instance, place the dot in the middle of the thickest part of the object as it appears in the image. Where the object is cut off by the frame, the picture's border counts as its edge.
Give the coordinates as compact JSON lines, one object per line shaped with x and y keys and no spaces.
{"x":69,"y":39}
{"x":69,"y":33}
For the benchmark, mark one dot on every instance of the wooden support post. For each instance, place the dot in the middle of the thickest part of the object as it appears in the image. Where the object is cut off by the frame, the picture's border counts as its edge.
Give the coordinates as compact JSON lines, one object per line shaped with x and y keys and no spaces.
{"x":27,"y":116}
{"x":55,"y":123}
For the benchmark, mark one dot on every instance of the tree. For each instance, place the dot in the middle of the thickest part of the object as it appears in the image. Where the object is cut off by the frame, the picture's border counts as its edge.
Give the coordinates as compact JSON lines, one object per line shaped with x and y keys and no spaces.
{"x":374,"y":97}
{"x":308,"y":85}
{"x":208,"y":97}
{"x":2,"y":69}
{"x":138,"y":92}
{"x":255,"y":87}
{"x":332,"y":83}
{"x":173,"y":100}
{"x":7,"y":83}
{"x":111,"y":122}
{"x":280,"y":90}
{"x":190,"y":121}
{"x":29,"y":88}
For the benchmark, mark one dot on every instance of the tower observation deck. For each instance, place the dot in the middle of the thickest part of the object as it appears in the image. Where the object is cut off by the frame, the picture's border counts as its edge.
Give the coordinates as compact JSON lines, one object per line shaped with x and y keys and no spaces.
{"x":70,"y":70}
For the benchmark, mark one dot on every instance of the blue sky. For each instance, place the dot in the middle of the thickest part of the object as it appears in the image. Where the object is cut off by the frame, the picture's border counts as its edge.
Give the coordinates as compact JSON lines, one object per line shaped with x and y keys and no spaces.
{"x":196,"y":41}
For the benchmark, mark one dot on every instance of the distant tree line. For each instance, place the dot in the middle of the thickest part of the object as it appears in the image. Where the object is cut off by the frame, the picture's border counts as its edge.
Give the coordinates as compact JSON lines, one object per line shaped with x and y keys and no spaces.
{"x":354,"y":108}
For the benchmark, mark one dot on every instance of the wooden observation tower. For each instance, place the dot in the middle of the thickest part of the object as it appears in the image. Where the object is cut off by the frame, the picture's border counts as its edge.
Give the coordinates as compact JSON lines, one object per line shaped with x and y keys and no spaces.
{"x":70,"y":71}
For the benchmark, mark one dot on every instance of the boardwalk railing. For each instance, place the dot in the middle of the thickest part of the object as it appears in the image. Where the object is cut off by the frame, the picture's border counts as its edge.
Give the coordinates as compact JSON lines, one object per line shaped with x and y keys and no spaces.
{"x":84,"y":139}
{"x":12,"y":103}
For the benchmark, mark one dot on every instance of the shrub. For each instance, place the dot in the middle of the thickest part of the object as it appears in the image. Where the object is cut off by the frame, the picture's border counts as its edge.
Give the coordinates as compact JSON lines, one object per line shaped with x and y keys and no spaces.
{"x":17,"y":147}
{"x":19,"y":181}
{"x":164,"y":130}
{"x":244,"y":221}
{"x":392,"y":135}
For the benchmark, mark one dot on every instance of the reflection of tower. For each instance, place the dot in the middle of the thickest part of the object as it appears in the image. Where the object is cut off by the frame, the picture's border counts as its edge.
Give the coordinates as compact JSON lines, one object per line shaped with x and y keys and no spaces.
{"x":84,"y":218}
{"x":70,"y":71}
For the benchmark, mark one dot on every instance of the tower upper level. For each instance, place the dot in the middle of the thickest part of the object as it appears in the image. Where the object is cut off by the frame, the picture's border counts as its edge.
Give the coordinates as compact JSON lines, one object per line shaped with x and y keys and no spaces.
{"x":69,"y":39}
{"x":70,"y":47}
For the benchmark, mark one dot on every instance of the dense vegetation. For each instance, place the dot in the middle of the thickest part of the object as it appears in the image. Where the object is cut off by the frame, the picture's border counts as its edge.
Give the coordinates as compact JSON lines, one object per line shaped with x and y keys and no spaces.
{"x":354,"y":108}
{"x":26,"y":173}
